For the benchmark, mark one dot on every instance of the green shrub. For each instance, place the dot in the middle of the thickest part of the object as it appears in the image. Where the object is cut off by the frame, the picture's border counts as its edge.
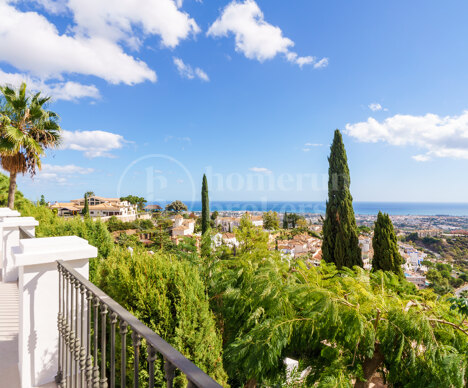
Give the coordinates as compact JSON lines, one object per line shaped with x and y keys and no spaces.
{"x":169,"y":297}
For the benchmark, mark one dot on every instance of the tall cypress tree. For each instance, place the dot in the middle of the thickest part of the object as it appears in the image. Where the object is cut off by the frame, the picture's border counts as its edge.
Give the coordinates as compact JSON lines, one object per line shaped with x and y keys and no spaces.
{"x":85,"y":210}
{"x":340,"y":237}
{"x":285,"y":221}
{"x":205,"y":206}
{"x":386,"y":254}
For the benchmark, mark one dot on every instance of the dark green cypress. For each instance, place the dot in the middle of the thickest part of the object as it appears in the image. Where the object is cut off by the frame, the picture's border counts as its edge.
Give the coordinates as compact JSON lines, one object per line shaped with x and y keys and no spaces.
{"x":205,"y":206}
{"x":386,"y":254}
{"x":340,"y":237}
{"x":285,"y":221}
{"x":86,"y":206}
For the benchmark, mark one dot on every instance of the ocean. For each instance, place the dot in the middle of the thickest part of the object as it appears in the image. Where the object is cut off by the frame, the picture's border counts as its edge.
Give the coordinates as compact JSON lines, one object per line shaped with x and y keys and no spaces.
{"x":364,"y":208}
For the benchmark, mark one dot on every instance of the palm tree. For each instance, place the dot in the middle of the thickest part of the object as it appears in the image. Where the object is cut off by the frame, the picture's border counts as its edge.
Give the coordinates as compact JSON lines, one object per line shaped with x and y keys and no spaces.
{"x":27,"y":129}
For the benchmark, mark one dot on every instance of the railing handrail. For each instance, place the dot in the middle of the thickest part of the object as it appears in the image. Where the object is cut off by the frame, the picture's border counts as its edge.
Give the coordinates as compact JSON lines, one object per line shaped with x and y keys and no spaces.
{"x":193,"y":373}
{"x":24,"y":233}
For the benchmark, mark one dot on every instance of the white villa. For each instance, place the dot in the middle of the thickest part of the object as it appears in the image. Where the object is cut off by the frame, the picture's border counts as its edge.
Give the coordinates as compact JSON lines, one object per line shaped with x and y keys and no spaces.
{"x":228,"y":224}
{"x":98,"y":207}
{"x":412,"y":256}
{"x":417,"y":279}
{"x":182,"y":227}
{"x":226,"y":238}
{"x":365,"y":243}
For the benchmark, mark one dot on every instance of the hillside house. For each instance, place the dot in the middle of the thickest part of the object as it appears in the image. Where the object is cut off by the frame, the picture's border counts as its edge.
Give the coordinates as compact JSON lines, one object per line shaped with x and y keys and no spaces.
{"x":98,"y":207}
{"x":183,"y":227}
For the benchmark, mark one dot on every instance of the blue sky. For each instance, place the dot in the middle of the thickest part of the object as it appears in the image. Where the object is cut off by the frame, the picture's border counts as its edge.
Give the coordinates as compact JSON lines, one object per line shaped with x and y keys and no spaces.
{"x":152,"y":97}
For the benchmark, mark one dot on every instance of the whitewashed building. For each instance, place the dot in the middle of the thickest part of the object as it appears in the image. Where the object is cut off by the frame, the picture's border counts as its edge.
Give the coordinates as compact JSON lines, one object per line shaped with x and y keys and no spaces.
{"x":182,"y":227}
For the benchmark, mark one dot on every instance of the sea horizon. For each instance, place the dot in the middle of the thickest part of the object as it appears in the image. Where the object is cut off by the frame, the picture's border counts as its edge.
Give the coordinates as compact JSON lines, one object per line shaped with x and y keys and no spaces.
{"x":318,"y":207}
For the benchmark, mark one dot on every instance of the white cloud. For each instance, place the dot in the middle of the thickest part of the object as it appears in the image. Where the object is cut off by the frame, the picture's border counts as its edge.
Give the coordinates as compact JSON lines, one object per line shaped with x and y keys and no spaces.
{"x":70,"y":90}
{"x":186,"y":71}
{"x":119,"y":20}
{"x":32,"y":44}
{"x":68,"y":169}
{"x":91,"y":45}
{"x":375,"y":107}
{"x":256,"y":38}
{"x":440,"y":137}
{"x":261,"y":170}
{"x":181,"y":139}
{"x":321,"y":63}
{"x":93,"y":143}
{"x":421,"y":158}
{"x":301,"y":61}
{"x":308,"y":145}
{"x":53,"y":6}
{"x":48,"y":176}
{"x":201,"y":74}
{"x":58,"y":90}
{"x":61,"y":174}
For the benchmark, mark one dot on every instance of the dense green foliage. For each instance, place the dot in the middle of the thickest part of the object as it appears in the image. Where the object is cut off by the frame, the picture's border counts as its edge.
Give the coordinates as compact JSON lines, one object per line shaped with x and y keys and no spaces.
{"x":176,"y":206}
{"x":169,"y":297}
{"x":461,"y":305}
{"x":270,"y":220}
{"x":441,"y":278}
{"x":386,"y":254}
{"x":205,"y":215}
{"x":340,"y":239}
{"x":364,"y":229}
{"x":250,"y":237}
{"x":42,"y":201}
{"x":114,"y":224}
{"x":291,"y":220}
{"x":344,"y":325}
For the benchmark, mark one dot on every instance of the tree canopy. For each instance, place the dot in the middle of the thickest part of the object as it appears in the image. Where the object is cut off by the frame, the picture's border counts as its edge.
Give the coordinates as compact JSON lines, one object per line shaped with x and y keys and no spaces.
{"x":176,"y":206}
{"x":340,"y":239}
{"x":386,"y":254}
{"x":345,"y":326}
{"x":250,"y":237}
{"x":270,"y":220}
{"x":27,"y":129}
{"x":169,"y":297}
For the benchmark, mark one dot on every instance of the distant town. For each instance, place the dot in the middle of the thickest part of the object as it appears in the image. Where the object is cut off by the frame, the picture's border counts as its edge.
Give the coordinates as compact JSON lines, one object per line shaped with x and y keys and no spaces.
{"x":302,"y":239}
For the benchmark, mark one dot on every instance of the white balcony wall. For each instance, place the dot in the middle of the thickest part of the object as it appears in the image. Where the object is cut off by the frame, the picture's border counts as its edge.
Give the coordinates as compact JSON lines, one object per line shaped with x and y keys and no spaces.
{"x":10,"y":237}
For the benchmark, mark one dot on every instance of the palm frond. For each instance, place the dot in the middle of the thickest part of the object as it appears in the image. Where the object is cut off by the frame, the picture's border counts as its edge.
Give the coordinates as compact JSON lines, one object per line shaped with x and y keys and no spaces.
{"x":27,"y":129}
{"x":14,"y":163}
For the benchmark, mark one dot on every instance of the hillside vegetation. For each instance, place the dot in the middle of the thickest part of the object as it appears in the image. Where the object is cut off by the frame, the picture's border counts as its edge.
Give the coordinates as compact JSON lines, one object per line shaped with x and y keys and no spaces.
{"x":453,"y":249}
{"x":239,"y":314}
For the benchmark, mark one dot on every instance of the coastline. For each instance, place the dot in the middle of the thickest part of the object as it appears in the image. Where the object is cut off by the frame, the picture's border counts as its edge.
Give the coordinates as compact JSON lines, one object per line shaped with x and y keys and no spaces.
{"x":318,"y":207}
